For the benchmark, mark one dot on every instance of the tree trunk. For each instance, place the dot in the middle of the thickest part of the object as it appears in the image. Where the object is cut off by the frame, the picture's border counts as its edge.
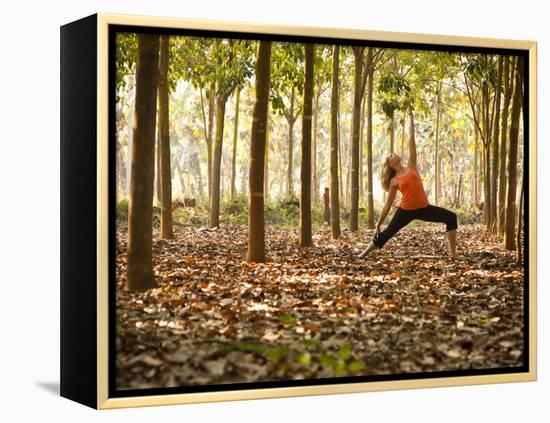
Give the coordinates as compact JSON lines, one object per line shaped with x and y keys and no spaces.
{"x":496,"y":154}
{"x":476,"y":166}
{"x":508,"y":72}
{"x":520,"y":221}
{"x":214,"y":220}
{"x":487,"y":186}
{"x":487,"y":151}
{"x":361,"y":151}
{"x":256,"y":228}
{"x":158,"y":196}
{"x":235,"y":136}
{"x":355,"y":131}
{"x":370,"y":198}
{"x":437,"y":153}
{"x":290,"y":181}
{"x":266,"y":161}
{"x":140,"y":213}
{"x":334,"y":185}
{"x":315,"y":182}
{"x":166,"y":227}
{"x":305,"y":169}
{"x":513,"y":158}
{"x":326,"y":202}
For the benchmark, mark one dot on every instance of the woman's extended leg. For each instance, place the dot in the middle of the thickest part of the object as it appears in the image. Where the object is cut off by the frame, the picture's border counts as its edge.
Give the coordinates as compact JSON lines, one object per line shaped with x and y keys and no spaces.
{"x":441,"y":215}
{"x":400,"y":219}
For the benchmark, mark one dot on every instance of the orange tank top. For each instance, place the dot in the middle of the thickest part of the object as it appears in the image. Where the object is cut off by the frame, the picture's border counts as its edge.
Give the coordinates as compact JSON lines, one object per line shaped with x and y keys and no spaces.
{"x":412,"y":191}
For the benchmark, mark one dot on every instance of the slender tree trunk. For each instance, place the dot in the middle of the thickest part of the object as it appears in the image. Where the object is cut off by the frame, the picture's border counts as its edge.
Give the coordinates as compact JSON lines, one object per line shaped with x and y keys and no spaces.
{"x":361,"y":152}
{"x":487,"y":186}
{"x":266,"y":161}
{"x":370,"y":198}
{"x":208,"y":125}
{"x":290,"y":180}
{"x":334,"y":185}
{"x":513,"y":158}
{"x":496,"y":156}
{"x":315,"y":181}
{"x":508,"y":72}
{"x":305,"y":169}
{"x":214,"y":220}
{"x":437,"y":153}
{"x":476,"y":166}
{"x":166,"y":227}
{"x":487,"y":157}
{"x":520,"y":221}
{"x":355,"y":131}
{"x":158,"y":196}
{"x":256,"y":227}
{"x":197,"y":168}
{"x":340,"y":154}
{"x":140,"y":213}
{"x":235,"y":137}
{"x":326,"y":202}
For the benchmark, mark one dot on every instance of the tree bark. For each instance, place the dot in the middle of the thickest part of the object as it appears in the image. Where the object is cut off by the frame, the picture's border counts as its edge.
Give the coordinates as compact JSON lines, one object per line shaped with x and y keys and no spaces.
{"x":437,"y":153}
{"x":256,"y":225}
{"x":290,"y":181}
{"x":140,"y":213}
{"x":370,"y":198}
{"x":305,"y":169}
{"x":513,"y":158}
{"x":214,"y":220}
{"x":520,"y":221}
{"x":166,"y":227}
{"x":315,"y":181}
{"x":235,"y":137}
{"x":496,"y":154}
{"x":476,"y":166}
{"x":334,"y":185}
{"x":157,"y":165}
{"x":266,"y":161}
{"x":326,"y":202}
{"x":508,"y":85}
{"x":355,"y":131}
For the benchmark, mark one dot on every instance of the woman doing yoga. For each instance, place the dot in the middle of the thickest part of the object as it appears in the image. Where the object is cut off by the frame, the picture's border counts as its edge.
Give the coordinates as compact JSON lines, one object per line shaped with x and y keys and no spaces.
{"x":414,"y":201}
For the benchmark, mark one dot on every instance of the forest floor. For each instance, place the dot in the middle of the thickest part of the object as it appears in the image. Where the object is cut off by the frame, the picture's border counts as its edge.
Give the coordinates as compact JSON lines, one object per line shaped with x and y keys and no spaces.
{"x":317,"y":312}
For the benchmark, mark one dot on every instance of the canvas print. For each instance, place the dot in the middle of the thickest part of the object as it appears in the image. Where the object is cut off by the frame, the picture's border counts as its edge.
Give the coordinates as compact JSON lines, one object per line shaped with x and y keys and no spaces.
{"x":306,"y":211}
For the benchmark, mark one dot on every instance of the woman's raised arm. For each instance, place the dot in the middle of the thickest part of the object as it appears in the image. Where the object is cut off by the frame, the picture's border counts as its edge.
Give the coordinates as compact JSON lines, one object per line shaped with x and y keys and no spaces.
{"x":412,"y":143}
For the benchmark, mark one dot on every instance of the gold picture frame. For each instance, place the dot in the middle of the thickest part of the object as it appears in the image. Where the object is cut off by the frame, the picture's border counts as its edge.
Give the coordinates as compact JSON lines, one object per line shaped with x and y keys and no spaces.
{"x":97,"y":33}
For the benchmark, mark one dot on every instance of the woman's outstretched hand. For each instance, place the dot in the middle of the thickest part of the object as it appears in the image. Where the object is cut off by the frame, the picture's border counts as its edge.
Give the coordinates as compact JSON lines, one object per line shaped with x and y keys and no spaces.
{"x":377,"y":229}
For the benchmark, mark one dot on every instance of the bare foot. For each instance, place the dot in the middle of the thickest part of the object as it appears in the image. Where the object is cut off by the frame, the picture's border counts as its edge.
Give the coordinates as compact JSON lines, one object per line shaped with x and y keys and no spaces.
{"x":367,"y":250}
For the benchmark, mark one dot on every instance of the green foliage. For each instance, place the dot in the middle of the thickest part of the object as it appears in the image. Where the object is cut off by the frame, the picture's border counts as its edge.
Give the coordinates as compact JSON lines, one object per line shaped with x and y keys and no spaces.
{"x":483,"y":69}
{"x":126,"y":53}
{"x":287,"y":75}
{"x":214,"y":63}
{"x":122,"y":209}
{"x":287,"y":319}
{"x":235,"y":211}
{"x":284,"y":212}
{"x":395,"y":92}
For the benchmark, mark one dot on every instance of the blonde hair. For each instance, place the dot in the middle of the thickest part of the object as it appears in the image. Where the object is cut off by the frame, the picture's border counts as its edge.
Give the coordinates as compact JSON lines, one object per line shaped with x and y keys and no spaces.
{"x":386,"y":174}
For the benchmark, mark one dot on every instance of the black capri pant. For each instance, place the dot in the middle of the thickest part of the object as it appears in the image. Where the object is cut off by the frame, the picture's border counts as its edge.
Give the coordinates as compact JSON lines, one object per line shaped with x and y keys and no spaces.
{"x":402,"y":218}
